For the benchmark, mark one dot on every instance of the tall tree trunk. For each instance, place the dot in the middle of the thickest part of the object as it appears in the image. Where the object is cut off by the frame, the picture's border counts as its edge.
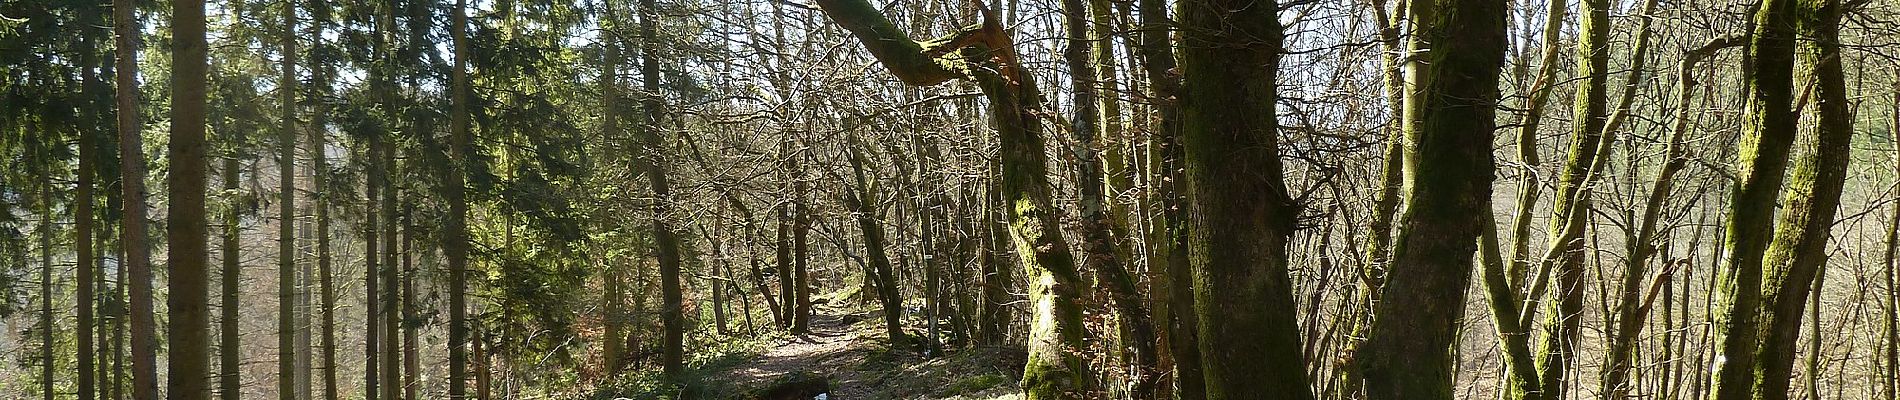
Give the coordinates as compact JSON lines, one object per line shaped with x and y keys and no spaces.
{"x":46,"y":328}
{"x":373,"y":185}
{"x":83,"y":221}
{"x":652,"y":160}
{"x":137,"y":263}
{"x":801,"y":233}
{"x":320,"y":201}
{"x":1573,"y":202}
{"x":789,"y":290}
{"x":1240,"y":214}
{"x":392,"y":283}
{"x":1450,"y":108}
{"x":1768,"y":129}
{"x":861,"y":202}
{"x":1505,"y":292}
{"x":613,"y":298}
{"x":230,"y":385}
{"x":1385,"y":206}
{"x":1176,"y":309}
{"x":1888,"y":261}
{"x":186,"y":302}
{"x":1795,"y":259}
{"x":411,"y":318}
{"x":286,"y":215}
{"x":455,"y":239}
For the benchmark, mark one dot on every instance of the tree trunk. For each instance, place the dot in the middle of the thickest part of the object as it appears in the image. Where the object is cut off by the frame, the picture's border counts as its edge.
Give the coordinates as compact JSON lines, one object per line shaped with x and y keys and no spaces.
{"x":1449,"y":112}
{"x":186,"y":303}
{"x":1768,"y":129}
{"x":613,"y":296}
{"x":286,"y":215}
{"x":45,"y":232}
{"x":1385,"y":207}
{"x":1795,"y":259}
{"x":652,"y":160}
{"x":1240,"y":214}
{"x":1892,"y":318}
{"x":455,"y":238}
{"x":860,"y":202}
{"x":801,"y":233}
{"x":137,"y":263}
{"x":1573,"y":203}
{"x":411,"y":320}
{"x":83,"y":221}
{"x":320,"y":202}
{"x":1176,"y":285}
{"x":1055,"y":368}
{"x":229,"y":380}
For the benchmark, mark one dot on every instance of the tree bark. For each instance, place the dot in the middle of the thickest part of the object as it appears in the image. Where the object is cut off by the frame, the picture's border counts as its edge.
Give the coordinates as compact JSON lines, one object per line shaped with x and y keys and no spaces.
{"x":229,"y":380}
{"x":83,"y":224}
{"x":286,"y":215}
{"x":860,"y":202}
{"x":1768,"y":129}
{"x":651,"y":159}
{"x":455,"y":241}
{"x":1448,"y":119}
{"x":137,"y":263}
{"x":186,"y":302}
{"x":1629,"y":320}
{"x":1794,"y":260}
{"x":1240,"y":214}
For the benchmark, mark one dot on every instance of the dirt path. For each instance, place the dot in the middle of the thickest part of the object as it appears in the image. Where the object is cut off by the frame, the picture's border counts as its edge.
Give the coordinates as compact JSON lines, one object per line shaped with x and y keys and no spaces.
{"x":832,"y":349}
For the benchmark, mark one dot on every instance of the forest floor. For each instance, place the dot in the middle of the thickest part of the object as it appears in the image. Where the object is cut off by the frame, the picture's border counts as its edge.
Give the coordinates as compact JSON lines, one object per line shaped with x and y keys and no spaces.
{"x":847,"y":357}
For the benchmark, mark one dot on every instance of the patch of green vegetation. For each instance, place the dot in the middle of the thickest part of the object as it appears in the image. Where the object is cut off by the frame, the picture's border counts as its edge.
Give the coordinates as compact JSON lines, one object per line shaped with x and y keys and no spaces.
{"x":972,"y":384}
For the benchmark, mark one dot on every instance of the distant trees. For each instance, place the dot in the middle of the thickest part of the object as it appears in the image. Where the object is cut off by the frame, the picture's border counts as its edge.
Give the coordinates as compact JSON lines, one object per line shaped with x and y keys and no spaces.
{"x":1267,"y":199}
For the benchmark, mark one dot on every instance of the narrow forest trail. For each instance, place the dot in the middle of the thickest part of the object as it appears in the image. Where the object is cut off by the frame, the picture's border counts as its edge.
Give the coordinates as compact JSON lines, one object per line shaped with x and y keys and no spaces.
{"x":833,"y":349}
{"x":849,"y":351}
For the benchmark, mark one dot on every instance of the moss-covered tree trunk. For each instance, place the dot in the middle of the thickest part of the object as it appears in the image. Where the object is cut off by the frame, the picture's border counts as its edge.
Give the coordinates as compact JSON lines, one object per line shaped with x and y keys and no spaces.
{"x":1240,"y":216}
{"x":1504,"y":287}
{"x":1794,"y":261}
{"x":985,"y":53}
{"x":1892,"y":318}
{"x":1449,"y":113}
{"x":1768,"y":128}
{"x":1385,"y":204}
{"x":1558,"y":351}
{"x":1889,"y":262}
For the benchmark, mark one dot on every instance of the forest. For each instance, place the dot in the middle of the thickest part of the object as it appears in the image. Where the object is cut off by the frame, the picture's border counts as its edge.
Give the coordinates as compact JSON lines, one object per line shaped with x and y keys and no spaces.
{"x":948,"y":199}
